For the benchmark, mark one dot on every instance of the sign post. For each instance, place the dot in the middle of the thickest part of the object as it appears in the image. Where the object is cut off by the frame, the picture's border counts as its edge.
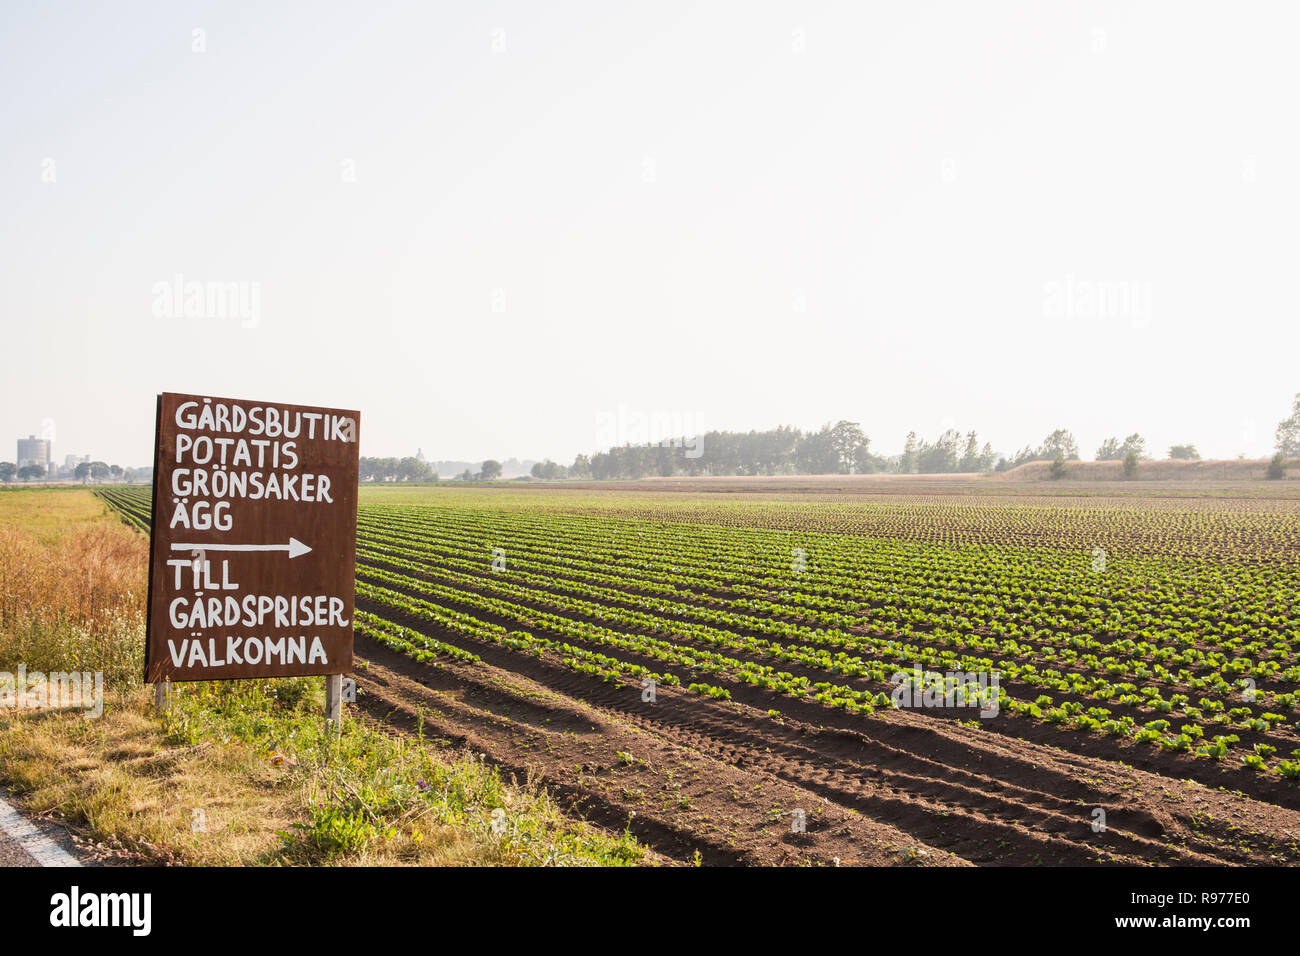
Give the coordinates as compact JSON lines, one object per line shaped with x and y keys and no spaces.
{"x":252,"y":566}
{"x":334,"y":699}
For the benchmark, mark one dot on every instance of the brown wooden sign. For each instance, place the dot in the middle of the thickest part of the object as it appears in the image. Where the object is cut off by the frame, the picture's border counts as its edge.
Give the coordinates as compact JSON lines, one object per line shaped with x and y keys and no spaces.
{"x":253,"y":548}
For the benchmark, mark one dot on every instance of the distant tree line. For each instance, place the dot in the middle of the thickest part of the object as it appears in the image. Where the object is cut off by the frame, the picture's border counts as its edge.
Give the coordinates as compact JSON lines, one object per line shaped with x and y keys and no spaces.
{"x":1060,"y":445}
{"x":949,"y":453}
{"x":417,"y":469}
{"x":1112,"y":449}
{"x":396,"y":469}
{"x":1288,"y":433}
{"x":839,"y":449}
{"x":490,"y":470}
{"x":1287,"y":439}
{"x":86,"y":472}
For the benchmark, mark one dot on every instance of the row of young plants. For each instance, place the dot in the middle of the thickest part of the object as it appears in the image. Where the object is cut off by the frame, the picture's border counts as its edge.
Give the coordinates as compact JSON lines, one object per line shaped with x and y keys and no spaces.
{"x":1210,"y":609}
{"x":579,"y":659}
{"x":1082,"y":651}
{"x":720,"y":600}
{"x":634,"y":571}
{"x":1237,"y":529}
{"x":1127,"y":695}
{"x":466,"y":590}
{"x":133,"y":505}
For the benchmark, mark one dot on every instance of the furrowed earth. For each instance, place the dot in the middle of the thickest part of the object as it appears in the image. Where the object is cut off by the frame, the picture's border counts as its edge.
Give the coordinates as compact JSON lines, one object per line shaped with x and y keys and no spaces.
{"x":719,"y":661}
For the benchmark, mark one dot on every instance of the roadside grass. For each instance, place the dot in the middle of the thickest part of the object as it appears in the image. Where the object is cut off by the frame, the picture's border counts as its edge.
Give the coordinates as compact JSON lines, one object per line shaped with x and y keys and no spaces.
{"x":235,"y":773}
{"x":72,"y":586}
{"x":248,"y":774}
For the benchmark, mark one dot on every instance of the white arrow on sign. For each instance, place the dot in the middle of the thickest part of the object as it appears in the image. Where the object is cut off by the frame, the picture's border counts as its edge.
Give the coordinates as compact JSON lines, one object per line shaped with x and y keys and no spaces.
{"x":294,"y":547}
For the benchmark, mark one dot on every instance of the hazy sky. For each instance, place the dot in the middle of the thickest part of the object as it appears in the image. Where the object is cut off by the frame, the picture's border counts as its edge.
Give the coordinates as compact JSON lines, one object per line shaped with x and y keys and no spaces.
{"x":506,"y":228}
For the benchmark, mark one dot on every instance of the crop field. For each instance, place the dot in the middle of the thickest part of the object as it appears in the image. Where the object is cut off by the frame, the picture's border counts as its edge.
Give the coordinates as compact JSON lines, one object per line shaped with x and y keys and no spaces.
{"x":902,"y":672}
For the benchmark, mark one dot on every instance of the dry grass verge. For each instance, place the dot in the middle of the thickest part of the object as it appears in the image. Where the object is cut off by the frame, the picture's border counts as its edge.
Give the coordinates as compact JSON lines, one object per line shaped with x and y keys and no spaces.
{"x":237,"y":773}
{"x":248,"y":775}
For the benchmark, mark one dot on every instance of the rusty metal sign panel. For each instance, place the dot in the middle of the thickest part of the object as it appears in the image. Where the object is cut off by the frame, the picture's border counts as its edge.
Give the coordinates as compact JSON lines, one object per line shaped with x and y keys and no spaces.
{"x":253,"y":545}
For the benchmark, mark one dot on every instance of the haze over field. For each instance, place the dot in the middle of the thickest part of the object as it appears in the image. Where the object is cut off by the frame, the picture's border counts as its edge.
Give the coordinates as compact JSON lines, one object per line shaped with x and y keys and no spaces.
{"x":792,"y":433}
{"x":491,"y":229}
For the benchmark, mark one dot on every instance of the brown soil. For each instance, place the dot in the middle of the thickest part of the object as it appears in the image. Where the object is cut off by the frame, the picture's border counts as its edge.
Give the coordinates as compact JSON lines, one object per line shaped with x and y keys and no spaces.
{"x":689,"y":774}
{"x":1268,"y":788}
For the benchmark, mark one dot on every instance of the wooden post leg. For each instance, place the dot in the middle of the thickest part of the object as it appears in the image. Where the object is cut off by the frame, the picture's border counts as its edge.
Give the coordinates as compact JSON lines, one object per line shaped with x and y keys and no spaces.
{"x":334,"y":700}
{"x":162,"y":696}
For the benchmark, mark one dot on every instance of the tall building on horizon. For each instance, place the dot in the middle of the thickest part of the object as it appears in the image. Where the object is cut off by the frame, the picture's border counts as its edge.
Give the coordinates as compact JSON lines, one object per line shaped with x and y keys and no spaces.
{"x":34,"y":451}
